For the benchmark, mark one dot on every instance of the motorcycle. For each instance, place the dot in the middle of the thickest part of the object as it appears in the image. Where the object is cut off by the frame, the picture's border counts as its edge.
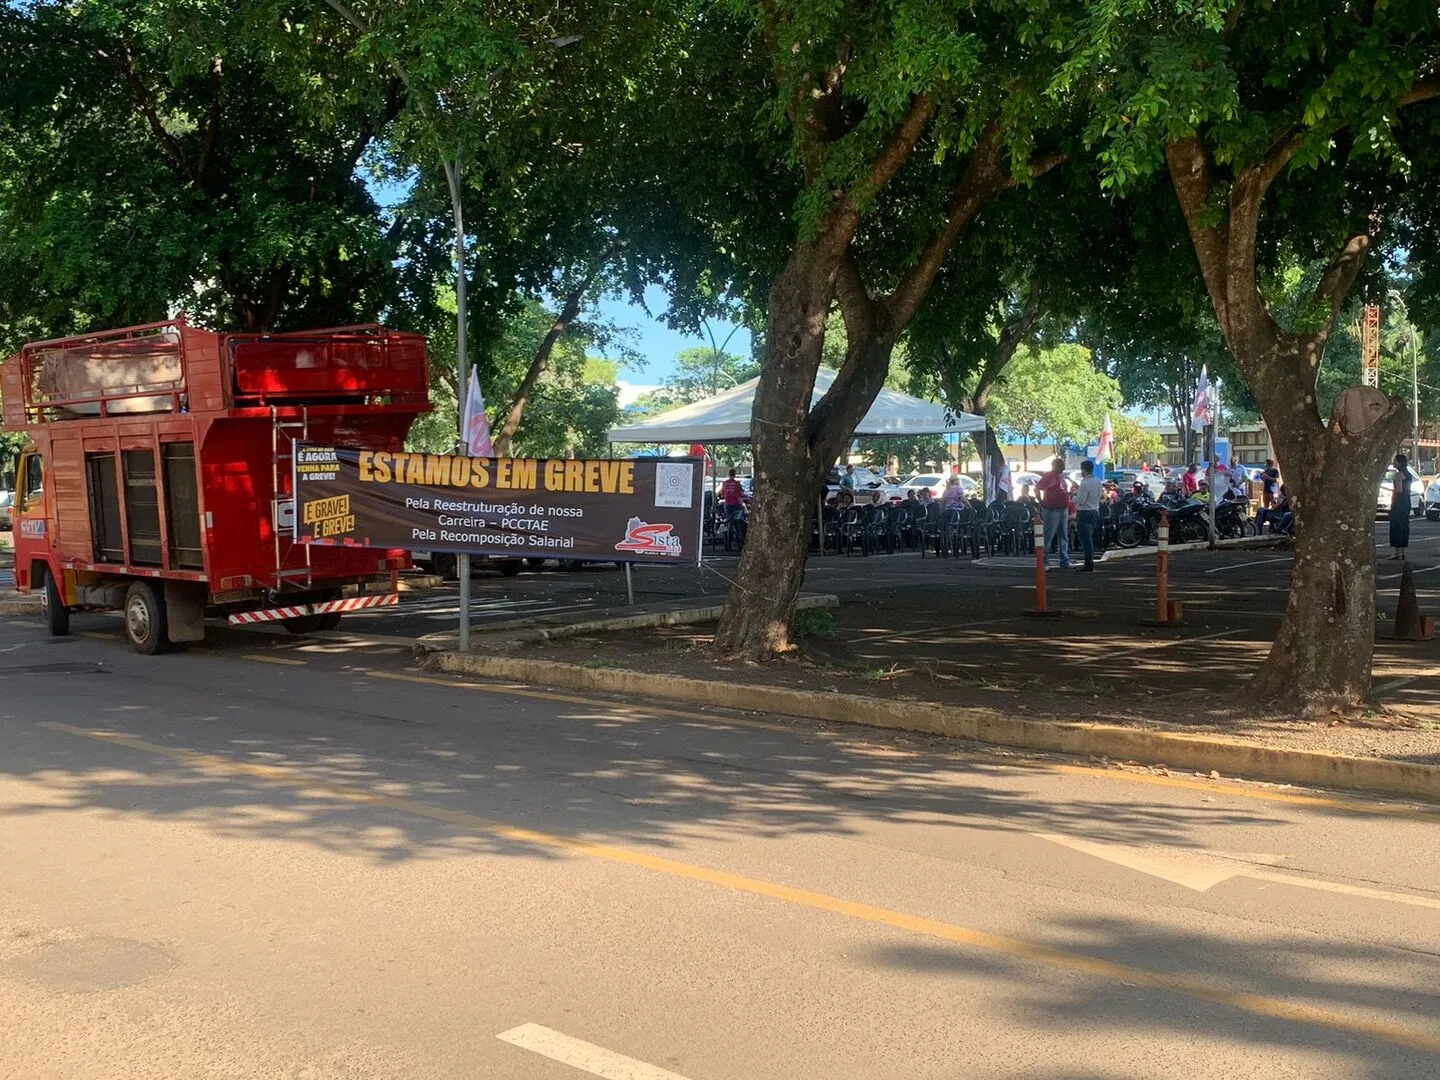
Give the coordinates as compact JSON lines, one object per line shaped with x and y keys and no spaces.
{"x":1233,"y":520}
{"x":1139,"y":521}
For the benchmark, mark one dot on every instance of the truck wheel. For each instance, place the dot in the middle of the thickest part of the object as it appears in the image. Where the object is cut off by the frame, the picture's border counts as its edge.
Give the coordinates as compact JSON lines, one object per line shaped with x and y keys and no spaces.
{"x":511,"y":567}
{"x":303,"y":624}
{"x":447,"y":566}
{"x":57,"y":615}
{"x":145,"y":619}
{"x":330,"y":620}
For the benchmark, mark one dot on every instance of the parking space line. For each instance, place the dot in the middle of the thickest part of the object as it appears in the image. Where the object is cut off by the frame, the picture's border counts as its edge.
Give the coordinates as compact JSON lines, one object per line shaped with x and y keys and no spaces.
{"x":262,"y":659}
{"x":1152,"y":646}
{"x":1243,"y":565}
{"x":582,"y":1055}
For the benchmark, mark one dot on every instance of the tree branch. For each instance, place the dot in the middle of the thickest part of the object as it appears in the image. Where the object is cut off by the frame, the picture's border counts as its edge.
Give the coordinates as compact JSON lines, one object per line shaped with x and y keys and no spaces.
{"x":568,"y":313}
{"x":212,"y":122}
{"x":1340,"y":276}
{"x":860,"y":376}
{"x":1427,"y":89}
{"x":984,"y":178}
{"x":145,"y":102}
{"x":896,"y":152}
{"x":1190,"y":174}
{"x":1011,"y":335}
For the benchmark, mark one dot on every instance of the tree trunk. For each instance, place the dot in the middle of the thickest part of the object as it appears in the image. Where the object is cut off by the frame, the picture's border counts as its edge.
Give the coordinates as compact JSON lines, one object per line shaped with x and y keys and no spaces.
{"x":1322,"y":652}
{"x":789,"y":469}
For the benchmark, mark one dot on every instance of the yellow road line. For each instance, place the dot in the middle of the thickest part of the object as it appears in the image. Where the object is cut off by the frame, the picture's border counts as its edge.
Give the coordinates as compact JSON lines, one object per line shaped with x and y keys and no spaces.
{"x":1017,"y":948}
{"x":99,"y":635}
{"x":1209,"y":787}
{"x":263,"y":659}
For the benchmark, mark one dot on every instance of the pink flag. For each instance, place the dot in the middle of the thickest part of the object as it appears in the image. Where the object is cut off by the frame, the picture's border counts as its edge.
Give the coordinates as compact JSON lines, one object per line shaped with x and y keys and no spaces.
{"x":477,"y":425}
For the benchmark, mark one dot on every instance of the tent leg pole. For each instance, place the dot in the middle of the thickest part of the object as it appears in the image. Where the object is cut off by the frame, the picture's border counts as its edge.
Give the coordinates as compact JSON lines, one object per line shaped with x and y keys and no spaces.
{"x":629,"y":585}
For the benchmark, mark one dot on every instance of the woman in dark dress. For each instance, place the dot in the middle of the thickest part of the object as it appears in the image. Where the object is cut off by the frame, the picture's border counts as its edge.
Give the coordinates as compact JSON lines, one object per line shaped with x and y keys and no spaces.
{"x":1400,"y":508}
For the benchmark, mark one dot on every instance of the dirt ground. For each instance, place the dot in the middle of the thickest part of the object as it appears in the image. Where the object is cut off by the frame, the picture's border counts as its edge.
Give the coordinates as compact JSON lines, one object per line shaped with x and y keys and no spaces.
{"x":958,"y":634}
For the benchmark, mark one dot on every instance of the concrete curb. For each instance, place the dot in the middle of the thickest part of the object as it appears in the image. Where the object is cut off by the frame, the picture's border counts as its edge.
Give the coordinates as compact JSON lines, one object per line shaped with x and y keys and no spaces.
{"x":20,"y":604}
{"x":1232,"y":757}
{"x":522,"y":631}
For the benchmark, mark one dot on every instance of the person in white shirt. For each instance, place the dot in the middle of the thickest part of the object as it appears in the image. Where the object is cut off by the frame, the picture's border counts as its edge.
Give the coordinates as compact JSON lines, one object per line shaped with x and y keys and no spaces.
{"x":1087,"y":513}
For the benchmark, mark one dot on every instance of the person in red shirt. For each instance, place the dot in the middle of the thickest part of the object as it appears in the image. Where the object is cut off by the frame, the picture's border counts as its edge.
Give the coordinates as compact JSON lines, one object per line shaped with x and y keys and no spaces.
{"x":1190,"y":481}
{"x":732,"y":493}
{"x":1054,"y":491}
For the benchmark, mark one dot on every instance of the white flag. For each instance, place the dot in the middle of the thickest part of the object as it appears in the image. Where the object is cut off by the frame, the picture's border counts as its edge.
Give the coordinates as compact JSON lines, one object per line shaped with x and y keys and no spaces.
{"x":476,"y":426}
{"x":1106,"y":449}
{"x":1202,"y":411}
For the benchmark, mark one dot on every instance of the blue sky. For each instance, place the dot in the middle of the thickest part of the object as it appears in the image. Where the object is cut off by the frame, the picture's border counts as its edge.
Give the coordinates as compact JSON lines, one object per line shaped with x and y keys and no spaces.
{"x":657,"y":343}
{"x":653,"y":340}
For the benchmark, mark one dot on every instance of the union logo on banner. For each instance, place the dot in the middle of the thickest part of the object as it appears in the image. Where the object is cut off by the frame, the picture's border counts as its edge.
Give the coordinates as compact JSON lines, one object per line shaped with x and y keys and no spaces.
{"x":657,"y":539}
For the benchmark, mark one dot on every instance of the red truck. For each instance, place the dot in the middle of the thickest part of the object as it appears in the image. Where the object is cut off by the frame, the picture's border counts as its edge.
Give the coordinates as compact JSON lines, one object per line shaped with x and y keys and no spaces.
{"x":158,"y":475}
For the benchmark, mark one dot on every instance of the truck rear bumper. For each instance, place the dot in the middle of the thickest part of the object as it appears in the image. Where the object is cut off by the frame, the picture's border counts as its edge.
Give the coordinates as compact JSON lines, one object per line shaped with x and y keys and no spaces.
{"x":297,"y":611}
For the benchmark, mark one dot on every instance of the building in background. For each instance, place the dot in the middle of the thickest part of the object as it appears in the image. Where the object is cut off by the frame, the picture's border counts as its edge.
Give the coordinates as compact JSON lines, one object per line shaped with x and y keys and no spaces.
{"x":1249,"y":443}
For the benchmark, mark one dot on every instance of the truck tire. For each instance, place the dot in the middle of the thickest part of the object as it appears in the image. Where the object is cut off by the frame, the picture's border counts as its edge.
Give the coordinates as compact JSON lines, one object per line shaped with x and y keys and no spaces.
{"x":303,"y":624}
{"x":511,"y":567}
{"x":447,"y":566}
{"x":330,"y":620}
{"x":57,"y":615}
{"x":145,"y":625}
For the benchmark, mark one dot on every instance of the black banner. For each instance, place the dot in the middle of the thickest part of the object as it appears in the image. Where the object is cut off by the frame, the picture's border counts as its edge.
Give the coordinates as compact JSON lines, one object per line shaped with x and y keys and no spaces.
{"x":628,"y":510}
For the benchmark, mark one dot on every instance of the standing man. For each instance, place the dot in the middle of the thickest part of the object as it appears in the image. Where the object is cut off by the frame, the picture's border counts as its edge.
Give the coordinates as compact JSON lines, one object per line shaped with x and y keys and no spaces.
{"x":1269,"y":493}
{"x":732,"y":493}
{"x":1087,"y":513}
{"x":1190,"y":482}
{"x":1055,"y":506}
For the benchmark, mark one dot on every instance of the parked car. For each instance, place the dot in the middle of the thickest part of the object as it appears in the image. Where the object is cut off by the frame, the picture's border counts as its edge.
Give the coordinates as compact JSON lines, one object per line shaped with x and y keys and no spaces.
{"x":7,"y":504}
{"x":1432,"y":500}
{"x":870,"y":486}
{"x":447,"y":565}
{"x":1125,"y":480}
{"x":935,"y":483}
{"x":1387,"y":490}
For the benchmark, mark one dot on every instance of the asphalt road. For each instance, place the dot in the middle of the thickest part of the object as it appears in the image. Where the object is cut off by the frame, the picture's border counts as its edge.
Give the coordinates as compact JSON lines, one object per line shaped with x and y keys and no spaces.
{"x":248,"y":862}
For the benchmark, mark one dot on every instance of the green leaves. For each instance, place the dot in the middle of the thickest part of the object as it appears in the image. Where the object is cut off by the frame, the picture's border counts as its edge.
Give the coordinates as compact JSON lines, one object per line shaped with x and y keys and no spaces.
{"x":1054,"y":392}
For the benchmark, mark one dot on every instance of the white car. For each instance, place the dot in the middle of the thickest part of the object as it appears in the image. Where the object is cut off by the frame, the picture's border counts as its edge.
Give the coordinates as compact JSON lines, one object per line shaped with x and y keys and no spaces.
{"x":870,"y":486}
{"x":935,"y":483}
{"x":1387,"y":490}
{"x":1432,"y":500}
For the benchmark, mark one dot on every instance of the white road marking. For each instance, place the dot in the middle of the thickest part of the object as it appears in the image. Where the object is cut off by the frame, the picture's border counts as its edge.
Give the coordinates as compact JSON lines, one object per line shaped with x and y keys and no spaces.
{"x":1166,"y":644}
{"x":579,"y":1054}
{"x":1395,"y":684}
{"x":1423,"y":570}
{"x":1193,"y":870}
{"x":1243,"y":565}
{"x":1203,"y":870}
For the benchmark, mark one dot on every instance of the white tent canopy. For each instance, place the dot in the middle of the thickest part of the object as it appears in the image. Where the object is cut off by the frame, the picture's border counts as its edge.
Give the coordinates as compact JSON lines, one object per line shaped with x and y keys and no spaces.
{"x":725,"y":418}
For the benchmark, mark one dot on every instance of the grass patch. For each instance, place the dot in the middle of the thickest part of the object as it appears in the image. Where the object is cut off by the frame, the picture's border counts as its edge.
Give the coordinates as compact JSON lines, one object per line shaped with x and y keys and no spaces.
{"x":599,"y":663}
{"x":815,"y":622}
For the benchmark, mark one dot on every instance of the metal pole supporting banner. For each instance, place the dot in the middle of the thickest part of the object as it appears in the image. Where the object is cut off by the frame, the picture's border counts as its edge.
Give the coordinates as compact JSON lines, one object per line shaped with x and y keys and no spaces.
{"x":462,"y":371}
{"x":629,"y":585}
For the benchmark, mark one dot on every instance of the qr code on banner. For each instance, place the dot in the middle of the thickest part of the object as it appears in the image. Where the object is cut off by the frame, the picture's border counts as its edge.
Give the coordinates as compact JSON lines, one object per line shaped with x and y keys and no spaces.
{"x":673,"y":485}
